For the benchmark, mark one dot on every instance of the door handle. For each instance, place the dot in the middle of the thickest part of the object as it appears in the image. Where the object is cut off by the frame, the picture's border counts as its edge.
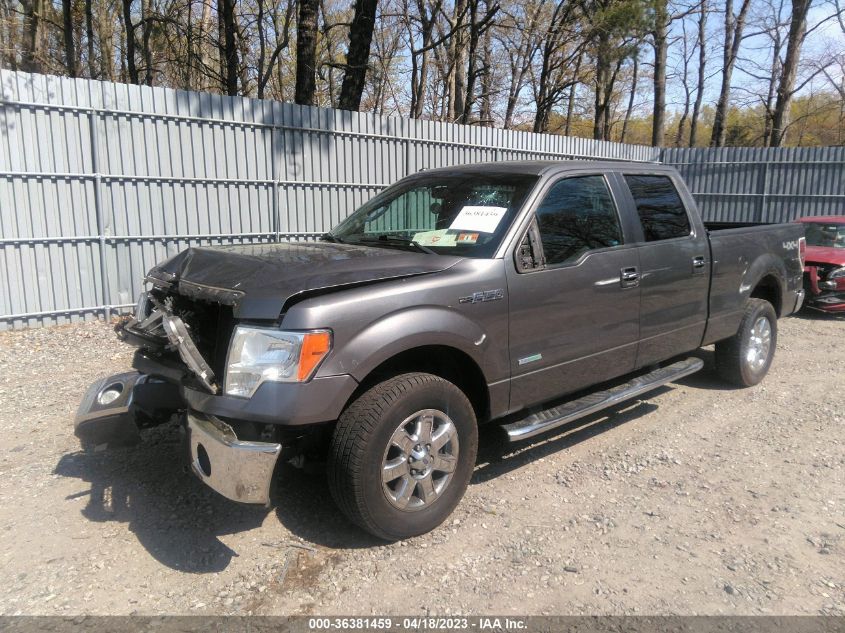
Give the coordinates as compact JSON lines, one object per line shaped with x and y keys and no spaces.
{"x":629,"y":277}
{"x":698,"y":264}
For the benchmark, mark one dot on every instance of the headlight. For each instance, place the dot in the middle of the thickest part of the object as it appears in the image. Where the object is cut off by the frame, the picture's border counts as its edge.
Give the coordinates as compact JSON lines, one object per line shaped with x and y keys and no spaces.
{"x":258,"y":355}
{"x":837,"y":273}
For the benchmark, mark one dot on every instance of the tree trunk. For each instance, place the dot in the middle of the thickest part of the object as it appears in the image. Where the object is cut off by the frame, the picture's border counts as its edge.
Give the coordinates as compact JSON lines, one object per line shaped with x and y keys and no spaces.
{"x":463,"y":116}
{"x":786,"y":87}
{"x":702,"y":69}
{"x":129,"y":29}
{"x":570,"y":104}
{"x":306,"y":52}
{"x":486,"y":111}
{"x":601,"y":115}
{"x":89,"y":37}
{"x":360,"y":39}
{"x":685,"y":61}
{"x":229,"y":46}
{"x":106,"y":32}
{"x":31,"y":54}
{"x":771,"y":93}
{"x":734,"y":26}
{"x":67,"y":32}
{"x":8,"y":48}
{"x":631,"y":98}
{"x":459,"y":62}
{"x":147,"y":32}
{"x":660,"y":34}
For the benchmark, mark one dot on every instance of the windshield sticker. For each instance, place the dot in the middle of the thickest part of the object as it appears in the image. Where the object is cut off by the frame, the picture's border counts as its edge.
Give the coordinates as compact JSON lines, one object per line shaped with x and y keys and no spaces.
{"x":467,"y":238}
{"x":475,"y":218}
{"x":435,"y":238}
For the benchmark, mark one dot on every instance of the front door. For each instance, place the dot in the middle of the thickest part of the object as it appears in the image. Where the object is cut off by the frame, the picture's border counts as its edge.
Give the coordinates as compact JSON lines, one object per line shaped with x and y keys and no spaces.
{"x":574,"y":311}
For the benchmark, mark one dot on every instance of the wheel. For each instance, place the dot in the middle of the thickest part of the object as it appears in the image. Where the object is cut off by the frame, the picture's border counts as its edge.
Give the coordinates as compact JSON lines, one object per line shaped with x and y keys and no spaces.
{"x":402,"y":455}
{"x":745,"y":358}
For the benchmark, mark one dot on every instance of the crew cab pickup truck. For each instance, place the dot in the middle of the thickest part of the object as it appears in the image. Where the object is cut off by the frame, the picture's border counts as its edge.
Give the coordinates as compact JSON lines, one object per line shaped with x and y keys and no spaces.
{"x":526,"y":294}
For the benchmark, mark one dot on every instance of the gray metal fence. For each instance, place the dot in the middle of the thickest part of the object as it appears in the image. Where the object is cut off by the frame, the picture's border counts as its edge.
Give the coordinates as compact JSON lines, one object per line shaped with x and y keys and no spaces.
{"x":749,"y":184}
{"x":98,"y":181}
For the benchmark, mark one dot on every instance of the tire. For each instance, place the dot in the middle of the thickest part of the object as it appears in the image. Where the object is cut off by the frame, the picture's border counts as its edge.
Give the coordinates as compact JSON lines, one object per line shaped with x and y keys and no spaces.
{"x":745,"y":358}
{"x":386,"y":430}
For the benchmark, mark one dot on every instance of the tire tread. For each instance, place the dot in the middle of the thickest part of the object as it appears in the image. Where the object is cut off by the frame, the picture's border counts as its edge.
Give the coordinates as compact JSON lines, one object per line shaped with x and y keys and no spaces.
{"x":354,"y":428}
{"x":729,"y":351}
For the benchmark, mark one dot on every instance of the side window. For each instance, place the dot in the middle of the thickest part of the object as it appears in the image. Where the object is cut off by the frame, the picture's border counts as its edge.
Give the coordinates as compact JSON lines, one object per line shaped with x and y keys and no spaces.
{"x":659,"y":206}
{"x":577,"y":215}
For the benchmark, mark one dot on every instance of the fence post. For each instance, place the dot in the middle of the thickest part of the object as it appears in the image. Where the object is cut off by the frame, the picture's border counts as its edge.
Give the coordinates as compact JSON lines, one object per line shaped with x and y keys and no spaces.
{"x":274,"y":174}
{"x":761,"y":211}
{"x":98,"y":208}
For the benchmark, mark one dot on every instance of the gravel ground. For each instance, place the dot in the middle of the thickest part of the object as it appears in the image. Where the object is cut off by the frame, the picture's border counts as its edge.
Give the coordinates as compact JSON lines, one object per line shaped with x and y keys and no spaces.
{"x":699,"y":499}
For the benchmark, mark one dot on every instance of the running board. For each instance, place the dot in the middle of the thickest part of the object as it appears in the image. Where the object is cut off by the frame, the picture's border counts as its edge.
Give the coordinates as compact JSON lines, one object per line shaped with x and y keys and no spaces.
{"x":537,"y":423}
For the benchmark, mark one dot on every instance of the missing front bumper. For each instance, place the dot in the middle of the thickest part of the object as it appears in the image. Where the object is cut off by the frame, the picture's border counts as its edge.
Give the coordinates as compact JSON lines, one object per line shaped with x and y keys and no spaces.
{"x":238,"y":470}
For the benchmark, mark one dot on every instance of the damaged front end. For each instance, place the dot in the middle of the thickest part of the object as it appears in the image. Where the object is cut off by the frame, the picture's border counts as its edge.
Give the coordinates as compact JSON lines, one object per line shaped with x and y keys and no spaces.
{"x":825,"y":285}
{"x":182,"y":343}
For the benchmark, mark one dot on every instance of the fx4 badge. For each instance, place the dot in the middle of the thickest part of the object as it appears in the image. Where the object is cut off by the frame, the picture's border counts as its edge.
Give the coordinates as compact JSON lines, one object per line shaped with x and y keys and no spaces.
{"x":487,"y":295}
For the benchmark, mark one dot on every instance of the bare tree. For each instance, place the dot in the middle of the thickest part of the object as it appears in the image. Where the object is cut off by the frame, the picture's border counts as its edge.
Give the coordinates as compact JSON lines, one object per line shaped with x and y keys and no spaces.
{"x":789,"y":72}
{"x":702,"y":72}
{"x":734,"y":27}
{"x":660,"y":42}
{"x":265,"y":62}
{"x":557,"y":55}
{"x":687,"y":53}
{"x":360,"y":39}
{"x":228,"y":46}
{"x":631,"y":97}
{"x":306,"y":52}
{"x":67,"y":29}
{"x":32,"y":40}
{"x":477,"y":26}
{"x":129,"y":32}
{"x":519,"y":37}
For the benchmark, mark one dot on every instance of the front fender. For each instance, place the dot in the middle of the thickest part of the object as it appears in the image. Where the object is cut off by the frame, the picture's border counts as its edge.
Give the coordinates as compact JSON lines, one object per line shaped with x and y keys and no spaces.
{"x":407,"y":329}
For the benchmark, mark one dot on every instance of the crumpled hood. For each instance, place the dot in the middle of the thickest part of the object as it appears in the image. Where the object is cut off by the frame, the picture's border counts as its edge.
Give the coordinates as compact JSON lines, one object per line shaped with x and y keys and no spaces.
{"x":259,"y":279}
{"x":825,"y":255}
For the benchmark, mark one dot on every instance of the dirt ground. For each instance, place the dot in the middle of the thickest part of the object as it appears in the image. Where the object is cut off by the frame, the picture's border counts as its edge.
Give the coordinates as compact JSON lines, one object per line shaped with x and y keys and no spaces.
{"x":699,"y":499}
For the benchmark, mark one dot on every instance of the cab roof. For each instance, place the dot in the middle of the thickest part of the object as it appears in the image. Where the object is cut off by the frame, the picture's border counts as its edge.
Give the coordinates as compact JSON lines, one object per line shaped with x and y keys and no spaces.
{"x":544,"y":167}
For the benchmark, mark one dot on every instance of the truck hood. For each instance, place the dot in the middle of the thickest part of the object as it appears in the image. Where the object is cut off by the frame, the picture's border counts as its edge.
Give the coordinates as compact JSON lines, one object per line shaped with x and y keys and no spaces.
{"x":825,"y":255}
{"x":258,"y":280}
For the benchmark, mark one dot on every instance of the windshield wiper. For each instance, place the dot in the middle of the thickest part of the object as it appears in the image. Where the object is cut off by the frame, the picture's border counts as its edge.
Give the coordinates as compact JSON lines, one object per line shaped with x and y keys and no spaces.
{"x":397,"y":239}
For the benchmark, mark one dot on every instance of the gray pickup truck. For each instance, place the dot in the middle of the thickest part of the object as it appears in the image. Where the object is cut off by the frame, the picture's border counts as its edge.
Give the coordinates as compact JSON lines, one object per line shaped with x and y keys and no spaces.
{"x":527,"y":294}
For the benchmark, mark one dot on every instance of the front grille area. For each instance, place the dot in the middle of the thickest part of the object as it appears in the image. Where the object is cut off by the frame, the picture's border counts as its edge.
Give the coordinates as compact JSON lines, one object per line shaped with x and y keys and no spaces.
{"x":210,"y":325}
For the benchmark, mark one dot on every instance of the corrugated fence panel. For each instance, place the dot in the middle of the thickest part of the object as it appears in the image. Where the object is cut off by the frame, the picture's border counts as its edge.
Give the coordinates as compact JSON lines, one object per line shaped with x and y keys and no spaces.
{"x":99,"y":181}
{"x":739,"y":184}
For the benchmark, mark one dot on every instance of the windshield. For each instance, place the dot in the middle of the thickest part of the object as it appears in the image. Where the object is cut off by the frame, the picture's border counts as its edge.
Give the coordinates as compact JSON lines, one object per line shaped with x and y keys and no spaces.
{"x":825,"y":234}
{"x":456,"y":213}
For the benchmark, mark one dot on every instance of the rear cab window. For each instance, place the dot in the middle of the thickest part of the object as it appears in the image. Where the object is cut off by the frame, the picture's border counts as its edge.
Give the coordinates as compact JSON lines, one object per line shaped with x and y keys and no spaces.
{"x":662,"y":213}
{"x":577,"y":215}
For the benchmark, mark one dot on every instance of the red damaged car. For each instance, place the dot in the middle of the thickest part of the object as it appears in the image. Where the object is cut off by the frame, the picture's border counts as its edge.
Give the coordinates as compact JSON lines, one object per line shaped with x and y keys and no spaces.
{"x":824,"y":269}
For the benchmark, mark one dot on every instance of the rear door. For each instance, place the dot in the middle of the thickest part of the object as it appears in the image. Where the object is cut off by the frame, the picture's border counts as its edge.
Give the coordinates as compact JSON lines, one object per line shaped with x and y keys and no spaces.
{"x":674,"y":268}
{"x":574,"y":318}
